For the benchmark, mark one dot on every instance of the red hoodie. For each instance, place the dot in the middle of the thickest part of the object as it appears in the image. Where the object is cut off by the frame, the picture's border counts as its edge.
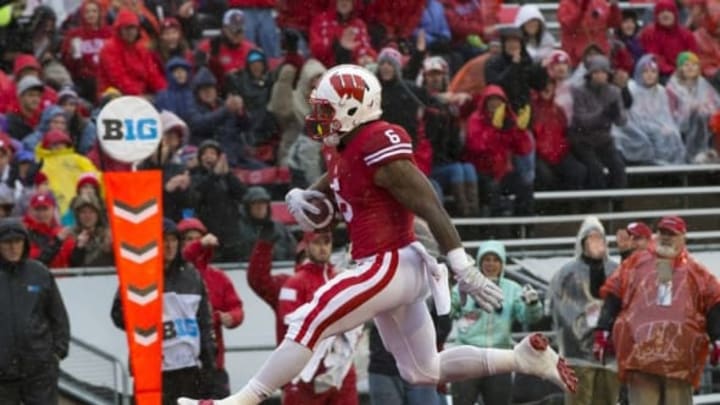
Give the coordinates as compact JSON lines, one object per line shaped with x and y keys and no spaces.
{"x":129,"y":68}
{"x":223,"y":296}
{"x":666,"y":42}
{"x":43,"y":239}
{"x":298,"y":14}
{"x":327,"y":29}
{"x":385,"y":13}
{"x":490,"y":149}
{"x":91,"y":40}
{"x":550,"y":132}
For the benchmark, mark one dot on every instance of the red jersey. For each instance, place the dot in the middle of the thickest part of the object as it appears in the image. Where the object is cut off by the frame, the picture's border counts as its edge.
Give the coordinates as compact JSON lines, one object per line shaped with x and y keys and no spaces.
{"x":376,"y":221}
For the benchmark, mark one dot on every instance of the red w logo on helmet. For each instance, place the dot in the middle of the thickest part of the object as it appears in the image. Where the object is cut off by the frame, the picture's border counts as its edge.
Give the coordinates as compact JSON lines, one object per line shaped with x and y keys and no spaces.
{"x":349,"y":85}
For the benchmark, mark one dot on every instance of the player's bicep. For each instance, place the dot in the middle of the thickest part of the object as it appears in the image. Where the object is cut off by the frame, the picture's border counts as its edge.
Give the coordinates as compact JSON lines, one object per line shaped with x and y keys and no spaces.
{"x":408,"y":185}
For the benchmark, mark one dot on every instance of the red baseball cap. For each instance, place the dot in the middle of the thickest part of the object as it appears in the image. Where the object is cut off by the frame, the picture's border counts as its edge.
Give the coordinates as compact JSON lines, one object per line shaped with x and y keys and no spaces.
{"x":673,"y":224}
{"x":639,"y":229}
{"x":42,"y":200}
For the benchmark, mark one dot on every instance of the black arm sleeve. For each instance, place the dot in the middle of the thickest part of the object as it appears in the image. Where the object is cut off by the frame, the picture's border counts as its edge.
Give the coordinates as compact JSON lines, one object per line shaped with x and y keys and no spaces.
{"x":713,"y":323}
{"x":611,"y":307}
{"x":116,"y":313}
{"x":597,"y":275}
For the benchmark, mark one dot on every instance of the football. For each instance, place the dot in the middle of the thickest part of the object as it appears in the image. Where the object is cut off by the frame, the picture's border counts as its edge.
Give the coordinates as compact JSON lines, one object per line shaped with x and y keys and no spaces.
{"x":324,"y":218}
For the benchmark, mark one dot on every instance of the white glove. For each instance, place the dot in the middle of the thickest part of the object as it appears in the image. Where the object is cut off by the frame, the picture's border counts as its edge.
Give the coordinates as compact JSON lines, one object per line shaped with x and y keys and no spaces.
{"x":297,"y":202}
{"x":530,"y":295}
{"x":471,"y":281}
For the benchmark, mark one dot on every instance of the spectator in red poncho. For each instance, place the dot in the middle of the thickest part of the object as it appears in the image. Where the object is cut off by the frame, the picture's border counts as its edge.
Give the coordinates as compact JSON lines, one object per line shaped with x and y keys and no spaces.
{"x":197,"y":248}
{"x":81,"y":48}
{"x":666,"y":38}
{"x":339,"y":36}
{"x":49,"y":242}
{"x":555,"y":166}
{"x":707,"y":37}
{"x":583,"y":22}
{"x":125,"y":64}
{"x":228,"y":52}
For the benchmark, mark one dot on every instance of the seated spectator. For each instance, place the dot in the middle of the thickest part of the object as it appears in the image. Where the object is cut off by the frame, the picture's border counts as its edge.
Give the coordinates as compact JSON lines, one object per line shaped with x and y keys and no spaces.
{"x":92,"y":236}
{"x":177,"y":97}
{"x":228,"y":52}
{"x":627,"y":33}
{"x":171,"y":43}
{"x":693,"y":101}
{"x":81,"y":129}
{"x":81,"y":48}
{"x":216,"y":195}
{"x":650,"y":135}
{"x":556,"y":167}
{"x":50,"y":243}
{"x":148,"y":27}
{"x":338,"y":35}
{"x":558,"y":69}
{"x":495,"y":136}
{"x":666,"y":37}
{"x":22,"y":121}
{"x":27,"y":65}
{"x":53,"y":118}
{"x":597,"y":105}
{"x":585,"y":22}
{"x":125,"y":64}
{"x":539,"y":42}
{"x":197,"y":248}
{"x":257,"y":214}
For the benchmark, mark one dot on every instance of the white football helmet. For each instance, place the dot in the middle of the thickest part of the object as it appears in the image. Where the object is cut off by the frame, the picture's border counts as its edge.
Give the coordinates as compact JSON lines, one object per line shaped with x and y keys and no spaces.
{"x":345,"y":97}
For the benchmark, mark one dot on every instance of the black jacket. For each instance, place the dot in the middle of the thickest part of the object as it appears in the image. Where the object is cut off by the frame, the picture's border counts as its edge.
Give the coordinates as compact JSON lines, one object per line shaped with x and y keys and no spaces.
{"x":401,"y":100}
{"x":516,"y":79}
{"x":442,"y":128}
{"x":35,"y":328}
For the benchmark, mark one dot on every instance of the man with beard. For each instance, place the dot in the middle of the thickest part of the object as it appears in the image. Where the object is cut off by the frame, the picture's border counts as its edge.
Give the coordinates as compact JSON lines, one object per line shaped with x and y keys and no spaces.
{"x":662,"y":310}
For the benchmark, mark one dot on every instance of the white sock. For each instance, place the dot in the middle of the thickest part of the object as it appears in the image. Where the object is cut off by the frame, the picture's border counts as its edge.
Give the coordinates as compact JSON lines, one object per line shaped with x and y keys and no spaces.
{"x":464,"y":362}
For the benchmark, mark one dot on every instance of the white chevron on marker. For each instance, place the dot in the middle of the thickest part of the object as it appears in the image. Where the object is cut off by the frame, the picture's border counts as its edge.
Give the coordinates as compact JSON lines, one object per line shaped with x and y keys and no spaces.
{"x":135,"y":214}
{"x":145,"y":339}
{"x":138,"y":255}
{"x":142,"y":296}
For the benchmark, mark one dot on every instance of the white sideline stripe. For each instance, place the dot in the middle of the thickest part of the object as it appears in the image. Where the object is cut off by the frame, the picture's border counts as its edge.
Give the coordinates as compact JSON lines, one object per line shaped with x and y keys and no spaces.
{"x":388,"y":149}
{"x":387,"y":155}
{"x":339,"y":299}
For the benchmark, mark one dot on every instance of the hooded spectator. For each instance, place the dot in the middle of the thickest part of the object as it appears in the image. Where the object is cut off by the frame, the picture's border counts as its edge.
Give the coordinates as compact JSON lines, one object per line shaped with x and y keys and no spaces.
{"x":177,"y":97}
{"x":171,"y":43}
{"x":585,"y":22}
{"x":53,"y":117}
{"x":539,"y":42}
{"x":81,"y":129}
{"x":258,"y":214}
{"x":148,"y":26}
{"x":494,"y":138}
{"x":81,"y":48}
{"x":339,"y":35}
{"x":627,"y":33}
{"x":125,"y":64}
{"x":50,"y":243}
{"x":597,"y":105}
{"x":228,"y":52}
{"x":666,"y":37}
{"x":693,"y":101}
{"x":650,"y":135}
{"x":216,"y":194}
{"x":92,"y":236}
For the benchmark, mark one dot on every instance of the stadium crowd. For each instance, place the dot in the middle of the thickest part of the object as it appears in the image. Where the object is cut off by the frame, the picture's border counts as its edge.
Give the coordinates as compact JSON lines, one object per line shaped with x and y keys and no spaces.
{"x":494,"y":108}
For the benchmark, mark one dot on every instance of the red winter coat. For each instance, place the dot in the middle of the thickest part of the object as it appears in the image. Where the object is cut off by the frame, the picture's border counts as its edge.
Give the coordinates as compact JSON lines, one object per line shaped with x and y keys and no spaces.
{"x":129,"y":68}
{"x":386,"y":14}
{"x":298,"y":14}
{"x":666,"y":42}
{"x":223,"y":296}
{"x":265,"y":285}
{"x":468,"y":17}
{"x":49,"y":95}
{"x":550,"y":130}
{"x":585,"y":22}
{"x":490,"y":149}
{"x":226,"y":59}
{"x":43,"y":239}
{"x":326,"y":30}
{"x":708,"y":51}
{"x":92,"y":41}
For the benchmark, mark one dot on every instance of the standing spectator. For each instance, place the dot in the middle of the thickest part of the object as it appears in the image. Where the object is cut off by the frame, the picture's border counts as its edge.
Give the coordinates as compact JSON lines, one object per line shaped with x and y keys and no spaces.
{"x":478,"y":328}
{"x":575,"y":304}
{"x":539,"y":42}
{"x":338,"y":35}
{"x":92,"y":236}
{"x":627,"y":33}
{"x":384,"y":24}
{"x":494,"y":137}
{"x":660,"y":308}
{"x":556,"y":167}
{"x":82,"y":130}
{"x":197,"y":248}
{"x":258,"y":215}
{"x":216,"y":194}
{"x":585,"y":22}
{"x":23,"y":119}
{"x":187,"y":352}
{"x":36,"y":332}
{"x":693,"y":101}
{"x":81,"y":48}
{"x":178,"y":96}
{"x":635,"y":236}
{"x":597,"y":105}
{"x":666,"y":38}
{"x":228,"y":52}
{"x":125,"y":64}
{"x":650,"y":135}
{"x":260,"y":27}
{"x":50,"y":243}
{"x":471,"y":28}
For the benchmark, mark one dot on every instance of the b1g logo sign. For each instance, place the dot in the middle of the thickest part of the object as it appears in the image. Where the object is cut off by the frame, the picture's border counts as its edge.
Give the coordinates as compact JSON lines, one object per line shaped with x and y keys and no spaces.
{"x":129,"y":129}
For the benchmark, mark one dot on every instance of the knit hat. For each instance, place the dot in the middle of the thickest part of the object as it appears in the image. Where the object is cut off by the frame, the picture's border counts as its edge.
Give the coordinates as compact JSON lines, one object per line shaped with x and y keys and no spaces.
{"x":597,"y":63}
{"x":86,"y":201}
{"x":29,"y":83}
{"x":65,"y":93}
{"x":256,"y":194}
{"x":687,"y":56}
{"x":209,"y":143}
{"x":392,"y":56}
{"x":169,"y":227}
{"x":191,"y":224}
{"x":255,"y":55}
{"x":87,"y":179}
{"x":54,"y":137}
